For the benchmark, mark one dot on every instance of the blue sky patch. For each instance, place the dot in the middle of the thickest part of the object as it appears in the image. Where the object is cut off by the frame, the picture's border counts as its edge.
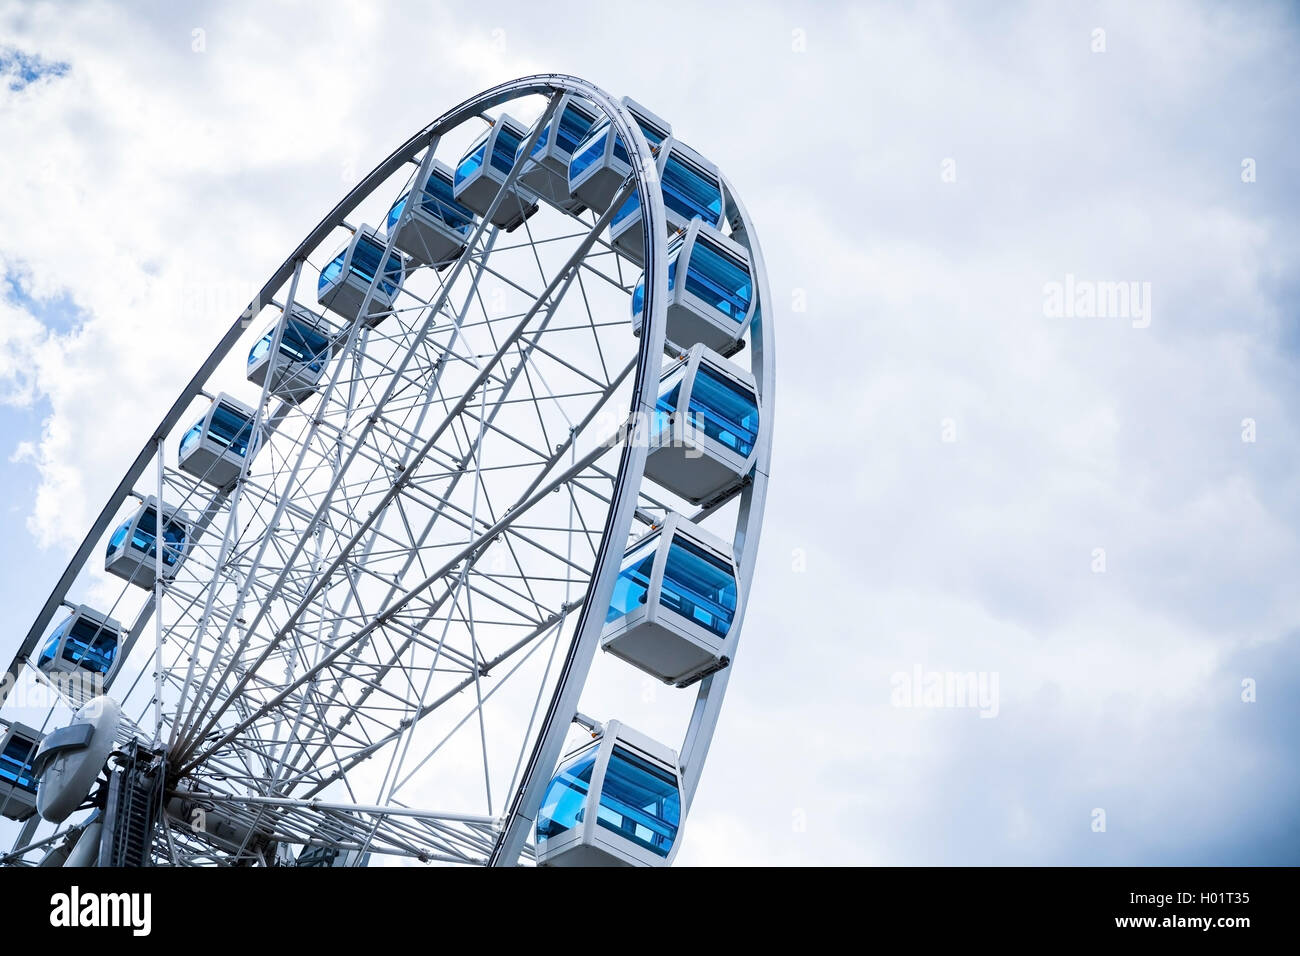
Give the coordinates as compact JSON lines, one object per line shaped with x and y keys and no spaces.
{"x":22,"y":69}
{"x":59,"y":314}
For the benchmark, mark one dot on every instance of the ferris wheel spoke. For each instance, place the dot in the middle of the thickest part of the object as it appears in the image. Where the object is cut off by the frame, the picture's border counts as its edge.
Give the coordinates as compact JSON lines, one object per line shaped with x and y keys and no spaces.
{"x":440,"y":301}
{"x":533,"y":645}
{"x":484,"y":670}
{"x":560,"y":281}
{"x":394,"y":660}
{"x":400,"y":831}
{"x":519,"y":331}
{"x":522,"y":506}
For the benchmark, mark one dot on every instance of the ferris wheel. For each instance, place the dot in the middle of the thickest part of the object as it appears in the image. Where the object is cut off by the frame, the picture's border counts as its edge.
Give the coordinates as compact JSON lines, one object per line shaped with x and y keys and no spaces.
{"x":344,"y":605}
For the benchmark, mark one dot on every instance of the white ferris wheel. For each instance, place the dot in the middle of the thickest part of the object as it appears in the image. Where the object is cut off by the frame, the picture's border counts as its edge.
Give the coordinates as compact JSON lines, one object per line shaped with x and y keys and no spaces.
{"x":507,"y":406}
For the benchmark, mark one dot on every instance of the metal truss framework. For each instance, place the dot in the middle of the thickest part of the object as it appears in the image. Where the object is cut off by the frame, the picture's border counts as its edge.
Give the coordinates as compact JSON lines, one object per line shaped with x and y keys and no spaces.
{"x":393,"y":605}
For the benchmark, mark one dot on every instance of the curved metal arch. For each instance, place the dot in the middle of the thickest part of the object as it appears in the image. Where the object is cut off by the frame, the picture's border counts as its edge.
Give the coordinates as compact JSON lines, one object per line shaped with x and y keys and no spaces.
{"x":753,"y":500}
{"x":713,"y":688}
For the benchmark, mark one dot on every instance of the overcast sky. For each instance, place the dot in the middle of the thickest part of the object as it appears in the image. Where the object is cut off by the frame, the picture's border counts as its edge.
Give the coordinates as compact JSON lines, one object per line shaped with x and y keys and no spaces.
{"x":1098,"y":511}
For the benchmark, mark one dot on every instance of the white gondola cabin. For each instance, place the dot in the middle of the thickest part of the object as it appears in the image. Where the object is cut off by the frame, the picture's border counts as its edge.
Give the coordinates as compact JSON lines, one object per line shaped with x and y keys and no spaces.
{"x":614,"y":802}
{"x":547,"y":172}
{"x":18,"y":746}
{"x":692,"y":189}
{"x":674,"y":604}
{"x":344,"y":282}
{"x":433,"y":232}
{"x":81,"y":654}
{"x":704,"y":430}
{"x":710,"y":292}
{"x":132,"y":550}
{"x":482,"y":171}
{"x":215,"y":447}
{"x":601,"y":164}
{"x":307,"y":344}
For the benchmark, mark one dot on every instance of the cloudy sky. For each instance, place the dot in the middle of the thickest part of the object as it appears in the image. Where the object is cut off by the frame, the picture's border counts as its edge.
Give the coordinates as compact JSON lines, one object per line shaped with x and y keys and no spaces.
{"x":1097,"y":509}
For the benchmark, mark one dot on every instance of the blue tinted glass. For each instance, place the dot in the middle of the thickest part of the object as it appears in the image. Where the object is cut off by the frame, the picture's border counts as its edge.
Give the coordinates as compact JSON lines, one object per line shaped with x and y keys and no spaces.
{"x":638,"y":294}
{"x":173,"y":543}
{"x":565,"y":796}
{"x":633,"y":581}
{"x":439,"y":201}
{"x":724,"y":410}
{"x":472,"y":161}
{"x":639,"y":801}
{"x":365,"y":260}
{"x":395,"y":213}
{"x":119,"y":536}
{"x":653,"y":136}
{"x":669,"y":395}
{"x":620,"y":153}
{"x":191,"y":438}
{"x":592,"y":151}
{"x":260,"y":348}
{"x":302,"y":341}
{"x":505,"y":148}
{"x":699,"y":587}
{"x":575,"y":124}
{"x":690,"y":192}
{"x":317,"y":856}
{"x":90,"y":646}
{"x":331,"y":272}
{"x":143,"y":538}
{"x":719,"y":279}
{"x":625,"y":210}
{"x":541,"y":140}
{"x":52,"y":645}
{"x":16,"y":763}
{"x":230,"y":429}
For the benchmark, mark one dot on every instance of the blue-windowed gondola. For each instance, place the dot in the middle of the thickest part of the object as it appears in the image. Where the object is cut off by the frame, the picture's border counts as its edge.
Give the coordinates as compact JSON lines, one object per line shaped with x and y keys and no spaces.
{"x":215,"y":447}
{"x":482,"y":171}
{"x":704,"y":430}
{"x":132,"y":550}
{"x":307,"y":344}
{"x":18,"y":746}
{"x":433,"y":231}
{"x":674,"y":604}
{"x":692,"y":189}
{"x":601,"y":164}
{"x":346,"y":279}
{"x":710,"y":291}
{"x":614,"y":802}
{"x":547,"y":173}
{"x":83,"y":647}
